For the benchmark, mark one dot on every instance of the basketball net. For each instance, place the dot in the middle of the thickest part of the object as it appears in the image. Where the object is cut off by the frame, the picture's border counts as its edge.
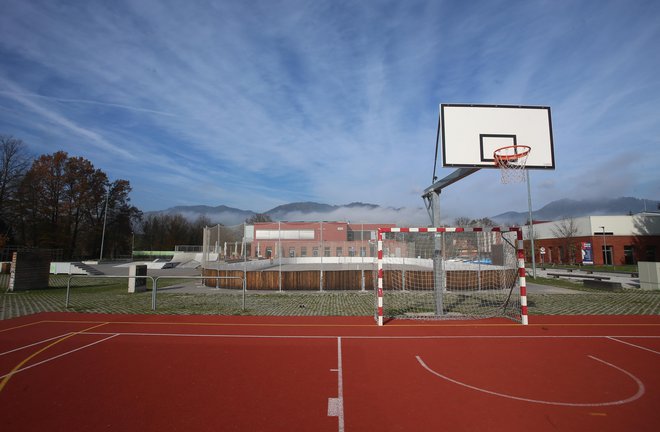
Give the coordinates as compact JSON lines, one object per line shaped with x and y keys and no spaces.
{"x":511,"y":161}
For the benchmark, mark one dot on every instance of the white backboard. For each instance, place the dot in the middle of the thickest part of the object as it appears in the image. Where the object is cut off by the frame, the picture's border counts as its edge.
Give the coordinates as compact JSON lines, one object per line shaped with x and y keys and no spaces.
{"x":471,"y":133}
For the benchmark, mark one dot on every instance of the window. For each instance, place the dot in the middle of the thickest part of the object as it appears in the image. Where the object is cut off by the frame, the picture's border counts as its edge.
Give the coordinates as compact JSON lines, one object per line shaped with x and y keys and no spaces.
{"x":292,"y":252}
{"x":339,"y":251}
{"x":650,"y":253}
{"x":629,"y":254}
{"x":358,"y":235}
{"x":607,"y":254}
{"x":363,"y":251}
{"x":303,"y":251}
{"x":326,"y":251}
{"x":284,"y":234}
{"x":315,"y":251}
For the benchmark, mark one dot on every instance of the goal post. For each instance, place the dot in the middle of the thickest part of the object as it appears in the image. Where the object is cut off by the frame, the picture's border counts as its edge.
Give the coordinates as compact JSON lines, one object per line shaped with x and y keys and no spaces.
{"x":450,"y":273}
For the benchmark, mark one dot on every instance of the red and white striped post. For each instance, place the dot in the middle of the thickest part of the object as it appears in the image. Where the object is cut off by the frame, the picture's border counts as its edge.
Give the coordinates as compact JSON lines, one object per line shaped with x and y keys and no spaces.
{"x":379,"y":313}
{"x":522,"y":279}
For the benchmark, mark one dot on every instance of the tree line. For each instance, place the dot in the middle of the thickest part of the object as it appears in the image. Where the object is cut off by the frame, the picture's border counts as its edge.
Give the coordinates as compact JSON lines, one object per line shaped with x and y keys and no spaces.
{"x":62,"y":202}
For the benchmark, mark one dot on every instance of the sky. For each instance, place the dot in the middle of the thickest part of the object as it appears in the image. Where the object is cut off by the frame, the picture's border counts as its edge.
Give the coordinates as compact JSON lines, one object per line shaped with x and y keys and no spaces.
{"x":254,"y":104}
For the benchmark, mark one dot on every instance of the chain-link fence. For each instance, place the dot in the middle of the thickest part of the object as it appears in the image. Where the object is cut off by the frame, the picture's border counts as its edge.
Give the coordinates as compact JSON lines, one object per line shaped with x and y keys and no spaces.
{"x":293,"y":255}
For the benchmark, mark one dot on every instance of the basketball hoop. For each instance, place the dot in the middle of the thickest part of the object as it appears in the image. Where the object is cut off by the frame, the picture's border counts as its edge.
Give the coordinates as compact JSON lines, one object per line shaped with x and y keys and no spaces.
{"x":511,"y":160}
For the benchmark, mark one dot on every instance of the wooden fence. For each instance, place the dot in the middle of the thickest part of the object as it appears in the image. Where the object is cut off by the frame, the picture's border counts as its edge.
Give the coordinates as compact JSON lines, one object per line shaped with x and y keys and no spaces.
{"x":355,"y":280}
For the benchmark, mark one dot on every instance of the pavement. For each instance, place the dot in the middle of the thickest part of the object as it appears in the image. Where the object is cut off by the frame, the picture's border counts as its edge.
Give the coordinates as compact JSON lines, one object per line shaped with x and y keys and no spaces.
{"x":114,"y":269}
{"x":625,"y":279}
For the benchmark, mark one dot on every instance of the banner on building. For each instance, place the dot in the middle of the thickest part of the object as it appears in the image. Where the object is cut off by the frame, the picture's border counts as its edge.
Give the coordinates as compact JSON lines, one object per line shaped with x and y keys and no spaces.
{"x":587,"y":253}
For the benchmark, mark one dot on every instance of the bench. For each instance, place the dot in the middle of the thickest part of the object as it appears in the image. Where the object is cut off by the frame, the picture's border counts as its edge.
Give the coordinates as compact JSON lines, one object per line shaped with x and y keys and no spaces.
{"x":599,"y":284}
{"x":568,"y":275}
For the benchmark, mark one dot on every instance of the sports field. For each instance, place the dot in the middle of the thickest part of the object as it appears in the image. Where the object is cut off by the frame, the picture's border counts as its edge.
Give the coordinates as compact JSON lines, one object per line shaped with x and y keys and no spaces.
{"x":68,"y":371}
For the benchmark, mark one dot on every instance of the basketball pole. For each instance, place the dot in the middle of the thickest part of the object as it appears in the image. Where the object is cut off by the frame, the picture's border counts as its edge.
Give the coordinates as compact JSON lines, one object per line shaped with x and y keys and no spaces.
{"x":531,"y":224}
{"x":431,"y":199}
{"x":434,"y":199}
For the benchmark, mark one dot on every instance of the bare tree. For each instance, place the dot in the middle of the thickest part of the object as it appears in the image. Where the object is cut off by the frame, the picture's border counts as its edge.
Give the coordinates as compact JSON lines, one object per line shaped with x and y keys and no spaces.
{"x":14,"y":163}
{"x":566,"y":230}
{"x":462,"y":221}
{"x":259,"y":217}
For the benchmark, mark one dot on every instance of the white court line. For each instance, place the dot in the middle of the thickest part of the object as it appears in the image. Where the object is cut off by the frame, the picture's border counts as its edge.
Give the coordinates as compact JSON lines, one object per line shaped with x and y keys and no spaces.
{"x":340,"y":386}
{"x":263,"y":336}
{"x":201,"y":335}
{"x":58,"y":356}
{"x":36,"y":343}
{"x":336,"y":405}
{"x":637,"y":395}
{"x":614,"y":338}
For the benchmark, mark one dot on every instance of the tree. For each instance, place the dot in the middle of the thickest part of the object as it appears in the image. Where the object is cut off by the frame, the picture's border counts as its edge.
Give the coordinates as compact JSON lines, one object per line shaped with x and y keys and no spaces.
{"x":259,"y":217}
{"x":566,"y":230}
{"x":14,"y":163}
{"x":462,"y":221}
{"x":466,"y":222}
{"x":166,"y":231}
{"x":61,"y":201}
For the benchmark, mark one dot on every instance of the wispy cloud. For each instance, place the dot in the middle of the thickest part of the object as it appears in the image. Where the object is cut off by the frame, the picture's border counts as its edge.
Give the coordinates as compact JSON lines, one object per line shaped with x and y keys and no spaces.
{"x":255,"y":104}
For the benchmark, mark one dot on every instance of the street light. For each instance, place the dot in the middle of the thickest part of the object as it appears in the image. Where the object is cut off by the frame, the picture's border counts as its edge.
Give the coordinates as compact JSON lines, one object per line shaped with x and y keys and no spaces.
{"x":604,"y":247}
{"x":105,"y":218}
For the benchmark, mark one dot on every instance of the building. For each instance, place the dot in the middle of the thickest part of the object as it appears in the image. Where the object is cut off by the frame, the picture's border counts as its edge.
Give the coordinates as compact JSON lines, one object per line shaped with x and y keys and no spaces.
{"x":312,"y":239}
{"x":598,"y":240}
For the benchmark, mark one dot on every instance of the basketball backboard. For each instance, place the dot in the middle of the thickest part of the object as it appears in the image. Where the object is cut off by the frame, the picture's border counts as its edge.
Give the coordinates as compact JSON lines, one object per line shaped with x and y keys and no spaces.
{"x":471,"y":133}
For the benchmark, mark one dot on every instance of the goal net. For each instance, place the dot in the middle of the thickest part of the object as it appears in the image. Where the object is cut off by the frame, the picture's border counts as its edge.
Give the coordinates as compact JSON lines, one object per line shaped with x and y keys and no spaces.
{"x":450,"y":273}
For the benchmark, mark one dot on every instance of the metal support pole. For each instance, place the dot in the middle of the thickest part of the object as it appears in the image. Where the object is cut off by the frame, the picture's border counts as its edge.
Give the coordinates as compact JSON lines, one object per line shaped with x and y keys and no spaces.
{"x":279,"y":253}
{"x":322,"y":253}
{"x":531,"y":225}
{"x":438,"y":277}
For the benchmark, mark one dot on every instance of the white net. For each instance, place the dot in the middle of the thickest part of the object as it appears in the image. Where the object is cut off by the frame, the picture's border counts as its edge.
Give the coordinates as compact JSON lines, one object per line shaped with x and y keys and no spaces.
{"x":512,"y":162}
{"x":450,"y":275}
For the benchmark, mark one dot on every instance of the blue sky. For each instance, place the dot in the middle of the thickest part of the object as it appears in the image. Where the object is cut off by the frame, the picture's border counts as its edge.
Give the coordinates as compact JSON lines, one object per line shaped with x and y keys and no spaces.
{"x":253,"y":104}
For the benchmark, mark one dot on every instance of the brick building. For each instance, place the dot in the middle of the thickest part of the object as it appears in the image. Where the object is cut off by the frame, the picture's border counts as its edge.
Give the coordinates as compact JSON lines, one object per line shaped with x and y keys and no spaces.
{"x":312,"y":239}
{"x":598,"y":240}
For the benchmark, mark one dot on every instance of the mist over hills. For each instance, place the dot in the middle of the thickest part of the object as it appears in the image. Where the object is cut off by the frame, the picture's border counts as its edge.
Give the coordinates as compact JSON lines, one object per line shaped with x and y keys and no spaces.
{"x":565,"y":208}
{"x":358,"y":212}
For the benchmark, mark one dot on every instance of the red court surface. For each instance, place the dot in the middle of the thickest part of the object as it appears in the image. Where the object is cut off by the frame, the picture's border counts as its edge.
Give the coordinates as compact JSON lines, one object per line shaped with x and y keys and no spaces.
{"x":64,"y":371}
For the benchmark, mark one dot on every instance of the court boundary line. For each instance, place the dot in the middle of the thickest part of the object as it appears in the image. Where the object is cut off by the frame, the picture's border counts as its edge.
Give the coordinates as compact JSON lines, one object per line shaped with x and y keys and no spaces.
{"x":395,"y":337}
{"x":615,"y":338}
{"x":437,"y":324}
{"x":26,"y":325}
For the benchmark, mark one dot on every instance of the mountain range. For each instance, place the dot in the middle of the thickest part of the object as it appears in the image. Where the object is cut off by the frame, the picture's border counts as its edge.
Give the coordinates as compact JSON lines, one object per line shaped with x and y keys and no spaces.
{"x":372,"y":213}
{"x":565,"y":208}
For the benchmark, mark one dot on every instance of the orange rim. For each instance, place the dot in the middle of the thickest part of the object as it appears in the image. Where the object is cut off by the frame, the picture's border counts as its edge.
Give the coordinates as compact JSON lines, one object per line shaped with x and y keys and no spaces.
{"x":502,"y":158}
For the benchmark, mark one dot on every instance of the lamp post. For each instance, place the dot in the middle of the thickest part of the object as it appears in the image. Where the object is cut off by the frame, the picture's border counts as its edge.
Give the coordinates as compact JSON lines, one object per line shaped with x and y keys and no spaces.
{"x":604,"y":247}
{"x":105,"y":218}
